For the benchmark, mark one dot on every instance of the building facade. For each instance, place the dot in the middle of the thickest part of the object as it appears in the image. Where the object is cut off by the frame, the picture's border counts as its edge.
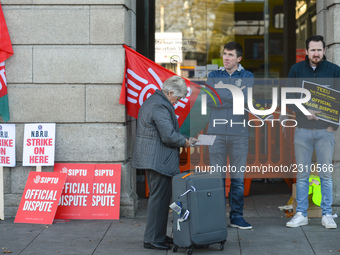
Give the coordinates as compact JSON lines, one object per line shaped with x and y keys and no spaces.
{"x":68,"y":67}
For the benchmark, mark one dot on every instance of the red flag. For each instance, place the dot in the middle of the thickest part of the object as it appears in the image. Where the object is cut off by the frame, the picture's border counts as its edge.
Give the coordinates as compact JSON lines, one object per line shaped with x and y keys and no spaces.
{"x":5,"y":42}
{"x":5,"y":52}
{"x":142,"y":77}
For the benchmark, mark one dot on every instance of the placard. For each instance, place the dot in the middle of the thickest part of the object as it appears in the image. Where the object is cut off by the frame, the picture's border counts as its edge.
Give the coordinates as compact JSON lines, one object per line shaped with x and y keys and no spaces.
{"x":39,"y":201}
{"x":325,"y":100}
{"x":39,"y":144}
{"x":92,"y":191}
{"x":7,"y":145}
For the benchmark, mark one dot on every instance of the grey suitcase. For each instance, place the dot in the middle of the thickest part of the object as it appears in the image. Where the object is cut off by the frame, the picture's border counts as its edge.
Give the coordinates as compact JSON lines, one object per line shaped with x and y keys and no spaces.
{"x":202,"y":220}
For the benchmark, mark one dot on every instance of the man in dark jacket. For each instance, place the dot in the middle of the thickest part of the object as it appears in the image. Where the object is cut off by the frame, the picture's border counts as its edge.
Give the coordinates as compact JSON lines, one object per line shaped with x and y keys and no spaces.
{"x":157,"y":151}
{"x":231,"y":136}
{"x":313,"y":133}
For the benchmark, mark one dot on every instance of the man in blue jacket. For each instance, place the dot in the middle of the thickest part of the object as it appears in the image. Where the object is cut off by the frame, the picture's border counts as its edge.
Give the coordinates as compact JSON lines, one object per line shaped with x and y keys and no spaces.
{"x":232,"y":130}
{"x":313,"y":133}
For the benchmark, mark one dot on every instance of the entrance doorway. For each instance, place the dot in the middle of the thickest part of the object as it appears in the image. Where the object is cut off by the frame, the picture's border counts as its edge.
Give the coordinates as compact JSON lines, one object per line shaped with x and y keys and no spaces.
{"x":182,"y":35}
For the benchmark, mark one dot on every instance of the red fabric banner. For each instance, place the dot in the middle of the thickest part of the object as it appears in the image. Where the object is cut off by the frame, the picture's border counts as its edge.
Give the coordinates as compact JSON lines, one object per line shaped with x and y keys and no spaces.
{"x":5,"y":42}
{"x":5,"y":52}
{"x":142,"y":77}
{"x":4,"y":109}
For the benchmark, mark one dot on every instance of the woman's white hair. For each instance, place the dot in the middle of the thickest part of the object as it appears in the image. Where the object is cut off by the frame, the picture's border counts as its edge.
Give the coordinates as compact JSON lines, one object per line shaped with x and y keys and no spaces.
{"x":177,"y":85}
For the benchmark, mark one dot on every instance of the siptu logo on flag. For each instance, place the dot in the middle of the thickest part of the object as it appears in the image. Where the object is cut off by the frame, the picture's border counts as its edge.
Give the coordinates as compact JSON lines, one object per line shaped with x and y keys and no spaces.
{"x":3,"y":83}
{"x":5,"y":52}
{"x":143,"y":77}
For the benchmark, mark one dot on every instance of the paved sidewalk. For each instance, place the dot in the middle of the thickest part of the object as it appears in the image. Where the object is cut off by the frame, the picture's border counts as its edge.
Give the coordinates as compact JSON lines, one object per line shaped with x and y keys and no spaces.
{"x":125,"y":236}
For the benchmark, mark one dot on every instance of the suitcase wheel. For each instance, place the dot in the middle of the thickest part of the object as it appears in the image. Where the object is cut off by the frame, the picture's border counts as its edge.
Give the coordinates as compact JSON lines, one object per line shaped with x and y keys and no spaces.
{"x":174,"y":249}
{"x":189,"y":251}
{"x":222,"y":246}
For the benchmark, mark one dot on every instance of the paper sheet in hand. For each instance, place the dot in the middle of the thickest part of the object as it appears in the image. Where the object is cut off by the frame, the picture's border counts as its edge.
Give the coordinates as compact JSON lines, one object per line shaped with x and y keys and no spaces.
{"x":206,"y":140}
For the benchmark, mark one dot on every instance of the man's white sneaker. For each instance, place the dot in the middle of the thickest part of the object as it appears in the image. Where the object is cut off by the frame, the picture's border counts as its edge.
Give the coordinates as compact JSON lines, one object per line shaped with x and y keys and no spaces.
{"x":328,"y":221}
{"x":297,"y":221}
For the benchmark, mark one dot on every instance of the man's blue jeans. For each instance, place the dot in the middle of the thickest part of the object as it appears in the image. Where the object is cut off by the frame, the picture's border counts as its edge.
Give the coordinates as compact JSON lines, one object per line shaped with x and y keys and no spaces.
{"x":236,"y":147}
{"x":305,"y":141}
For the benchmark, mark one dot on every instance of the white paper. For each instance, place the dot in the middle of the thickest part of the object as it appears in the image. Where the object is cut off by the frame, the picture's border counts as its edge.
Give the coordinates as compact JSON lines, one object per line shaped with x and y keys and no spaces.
{"x":205,"y":140}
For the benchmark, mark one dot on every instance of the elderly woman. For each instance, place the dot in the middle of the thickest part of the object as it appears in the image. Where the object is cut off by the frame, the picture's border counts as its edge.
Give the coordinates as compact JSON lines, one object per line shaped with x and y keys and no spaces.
{"x":157,"y":151}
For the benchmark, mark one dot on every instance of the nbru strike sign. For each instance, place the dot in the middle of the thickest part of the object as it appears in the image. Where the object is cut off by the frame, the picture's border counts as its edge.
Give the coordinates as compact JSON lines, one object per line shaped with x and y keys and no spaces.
{"x":39,"y":144}
{"x":7,"y":145}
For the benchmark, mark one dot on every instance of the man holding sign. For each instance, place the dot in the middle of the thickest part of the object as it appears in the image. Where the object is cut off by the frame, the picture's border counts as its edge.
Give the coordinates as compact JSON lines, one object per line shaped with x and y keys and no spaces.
{"x":313,"y":132}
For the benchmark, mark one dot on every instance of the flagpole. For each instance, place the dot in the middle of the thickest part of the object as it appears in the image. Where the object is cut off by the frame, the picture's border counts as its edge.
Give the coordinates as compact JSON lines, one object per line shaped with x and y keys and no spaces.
{"x":2,"y":214}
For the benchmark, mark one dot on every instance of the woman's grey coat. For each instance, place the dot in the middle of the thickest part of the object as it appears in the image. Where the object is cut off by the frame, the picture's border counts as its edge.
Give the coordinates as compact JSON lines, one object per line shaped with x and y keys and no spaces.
{"x":158,"y":139}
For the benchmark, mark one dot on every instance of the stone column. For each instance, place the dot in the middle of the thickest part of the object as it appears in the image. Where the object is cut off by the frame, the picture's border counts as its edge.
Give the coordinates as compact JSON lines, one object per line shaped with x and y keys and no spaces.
{"x":328,"y":25}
